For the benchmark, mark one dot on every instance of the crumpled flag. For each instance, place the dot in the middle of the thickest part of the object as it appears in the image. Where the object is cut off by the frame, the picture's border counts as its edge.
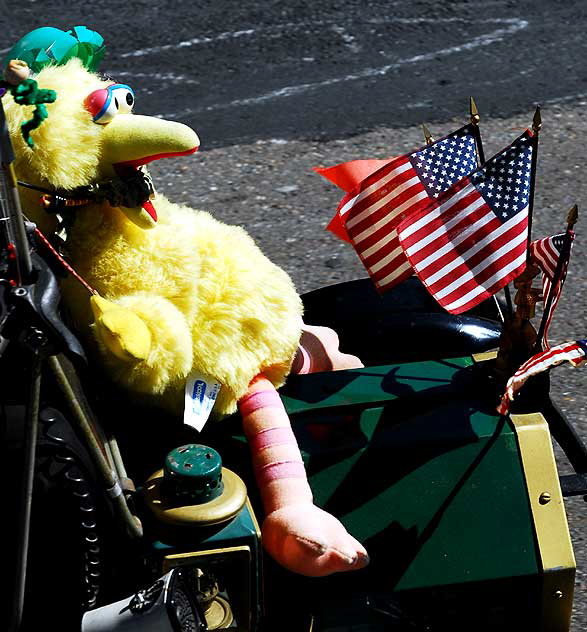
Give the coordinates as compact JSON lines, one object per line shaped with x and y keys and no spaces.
{"x":574,"y":352}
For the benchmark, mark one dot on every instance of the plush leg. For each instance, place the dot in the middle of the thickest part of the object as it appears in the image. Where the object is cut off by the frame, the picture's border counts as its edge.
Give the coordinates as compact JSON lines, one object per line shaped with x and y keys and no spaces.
{"x":318,"y":351}
{"x":299,"y":535}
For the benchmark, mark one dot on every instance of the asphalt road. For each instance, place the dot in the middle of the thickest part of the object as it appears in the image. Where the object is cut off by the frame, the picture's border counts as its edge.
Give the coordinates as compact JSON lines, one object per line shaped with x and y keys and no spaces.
{"x":240,"y":72}
{"x":275,"y":88}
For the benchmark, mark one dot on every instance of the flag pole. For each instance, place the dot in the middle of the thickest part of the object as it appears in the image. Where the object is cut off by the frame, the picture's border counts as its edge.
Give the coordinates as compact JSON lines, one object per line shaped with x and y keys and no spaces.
{"x":518,"y":335}
{"x":572,"y":218}
{"x":475,"y":117}
{"x":527,"y":296}
{"x":536,"y":127}
{"x":427,"y":135}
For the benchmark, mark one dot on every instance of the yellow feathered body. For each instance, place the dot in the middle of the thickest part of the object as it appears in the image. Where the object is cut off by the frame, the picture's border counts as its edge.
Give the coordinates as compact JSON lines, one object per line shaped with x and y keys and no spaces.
{"x":213,"y":303}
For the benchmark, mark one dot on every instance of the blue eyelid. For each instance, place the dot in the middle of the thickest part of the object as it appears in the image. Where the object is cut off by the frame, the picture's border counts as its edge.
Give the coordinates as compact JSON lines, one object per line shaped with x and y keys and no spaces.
{"x":110,"y":89}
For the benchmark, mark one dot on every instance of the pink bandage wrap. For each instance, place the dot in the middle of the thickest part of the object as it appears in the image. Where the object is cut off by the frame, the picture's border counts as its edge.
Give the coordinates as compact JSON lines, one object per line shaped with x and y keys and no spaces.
{"x":270,"y":437}
{"x":280,"y":469}
{"x":261,"y":399}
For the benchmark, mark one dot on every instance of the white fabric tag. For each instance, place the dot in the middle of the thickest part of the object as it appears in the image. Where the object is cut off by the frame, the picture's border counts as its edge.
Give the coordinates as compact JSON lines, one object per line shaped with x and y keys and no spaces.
{"x":201,"y":392}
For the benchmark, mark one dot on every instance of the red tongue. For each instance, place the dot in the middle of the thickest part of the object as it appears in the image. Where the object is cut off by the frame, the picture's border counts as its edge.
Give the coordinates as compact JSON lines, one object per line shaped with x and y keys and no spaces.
{"x":148,"y":206}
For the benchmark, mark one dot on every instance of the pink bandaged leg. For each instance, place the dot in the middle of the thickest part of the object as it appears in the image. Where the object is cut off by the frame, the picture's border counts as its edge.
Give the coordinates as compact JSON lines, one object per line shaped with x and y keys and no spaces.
{"x":300,"y":536}
{"x":318,"y":351}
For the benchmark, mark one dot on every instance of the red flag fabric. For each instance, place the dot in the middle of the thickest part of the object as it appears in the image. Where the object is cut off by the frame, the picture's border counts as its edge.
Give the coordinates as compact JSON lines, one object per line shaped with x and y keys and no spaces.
{"x":573,"y":352}
{"x":346,"y":176}
{"x":472,"y":240}
{"x":545,"y":253}
{"x":406,"y":184}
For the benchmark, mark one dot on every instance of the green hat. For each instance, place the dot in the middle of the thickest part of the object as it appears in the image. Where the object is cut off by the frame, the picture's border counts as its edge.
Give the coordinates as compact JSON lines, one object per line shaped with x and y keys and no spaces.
{"x":48,"y":45}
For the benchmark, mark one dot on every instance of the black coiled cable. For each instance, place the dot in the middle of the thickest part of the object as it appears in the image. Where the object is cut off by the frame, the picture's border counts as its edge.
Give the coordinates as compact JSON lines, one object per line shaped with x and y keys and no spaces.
{"x":71,"y":476}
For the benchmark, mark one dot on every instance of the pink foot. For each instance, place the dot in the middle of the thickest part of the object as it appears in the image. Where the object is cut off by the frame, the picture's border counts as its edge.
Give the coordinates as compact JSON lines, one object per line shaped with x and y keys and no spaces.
{"x":305,"y":539}
{"x":318,"y":351}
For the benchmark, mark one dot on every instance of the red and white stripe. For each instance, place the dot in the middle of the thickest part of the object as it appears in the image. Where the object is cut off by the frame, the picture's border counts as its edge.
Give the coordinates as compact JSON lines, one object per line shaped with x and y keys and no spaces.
{"x":545,"y":254}
{"x":461,"y":251}
{"x":383,"y":200}
{"x":567,"y":351}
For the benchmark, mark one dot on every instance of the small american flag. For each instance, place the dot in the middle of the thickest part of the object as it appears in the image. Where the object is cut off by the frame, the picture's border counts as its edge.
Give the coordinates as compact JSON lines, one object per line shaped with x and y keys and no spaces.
{"x":545,"y":253}
{"x":472,"y":240}
{"x":573,"y":352}
{"x":347,"y":176}
{"x":403,"y":186}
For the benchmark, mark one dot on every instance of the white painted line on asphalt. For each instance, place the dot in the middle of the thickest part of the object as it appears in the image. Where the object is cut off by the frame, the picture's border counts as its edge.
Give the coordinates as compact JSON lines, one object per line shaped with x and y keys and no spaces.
{"x":274,"y":31}
{"x":277,"y":31}
{"x":157,"y":76}
{"x":511,"y":26}
{"x":188,"y":43}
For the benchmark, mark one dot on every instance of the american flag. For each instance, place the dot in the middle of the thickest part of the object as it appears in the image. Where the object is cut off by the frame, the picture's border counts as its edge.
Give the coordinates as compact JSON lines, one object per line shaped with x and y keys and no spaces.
{"x":347,"y":176}
{"x":403,"y":186}
{"x":573,"y":352}
{"x":545,"y":253}
{"x":472,"y":240}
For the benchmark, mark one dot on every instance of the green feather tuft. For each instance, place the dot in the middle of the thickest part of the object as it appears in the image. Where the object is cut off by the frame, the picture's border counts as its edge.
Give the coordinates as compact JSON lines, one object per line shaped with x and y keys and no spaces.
{"x":48,"y":45}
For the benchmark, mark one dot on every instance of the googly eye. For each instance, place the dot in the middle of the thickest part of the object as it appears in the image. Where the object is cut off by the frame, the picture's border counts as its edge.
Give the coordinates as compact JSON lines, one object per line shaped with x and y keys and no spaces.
{"x":124,"y":98}
{"x":104,"y":104}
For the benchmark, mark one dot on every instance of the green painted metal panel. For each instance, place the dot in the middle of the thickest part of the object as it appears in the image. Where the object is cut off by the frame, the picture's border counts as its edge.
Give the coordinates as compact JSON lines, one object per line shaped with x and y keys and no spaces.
{"x":418,"y":466}
{"x":372,"y":384}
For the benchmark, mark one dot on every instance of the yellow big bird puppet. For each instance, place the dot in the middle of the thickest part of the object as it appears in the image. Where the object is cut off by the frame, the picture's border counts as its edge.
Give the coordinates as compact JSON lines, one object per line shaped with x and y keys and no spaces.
{"x":176,"y":292}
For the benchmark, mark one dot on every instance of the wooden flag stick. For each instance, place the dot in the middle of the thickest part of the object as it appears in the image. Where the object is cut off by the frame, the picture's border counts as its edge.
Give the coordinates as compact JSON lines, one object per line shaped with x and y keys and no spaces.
{"x":572,"y":218}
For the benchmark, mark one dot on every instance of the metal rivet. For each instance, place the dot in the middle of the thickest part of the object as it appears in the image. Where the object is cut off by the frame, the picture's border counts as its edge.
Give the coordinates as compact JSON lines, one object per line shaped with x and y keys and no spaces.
{"x":557,"y":594}
{"x":544,"y":498}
